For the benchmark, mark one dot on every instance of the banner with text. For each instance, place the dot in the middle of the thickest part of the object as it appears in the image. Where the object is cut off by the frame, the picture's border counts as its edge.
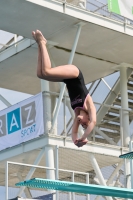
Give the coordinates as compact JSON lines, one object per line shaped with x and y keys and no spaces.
{"x":21,"y":122}
{"x":121,"y":7}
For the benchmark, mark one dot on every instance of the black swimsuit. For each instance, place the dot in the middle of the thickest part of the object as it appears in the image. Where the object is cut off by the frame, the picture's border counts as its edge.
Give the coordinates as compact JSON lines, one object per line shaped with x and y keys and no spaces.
{"x":77,"y":90}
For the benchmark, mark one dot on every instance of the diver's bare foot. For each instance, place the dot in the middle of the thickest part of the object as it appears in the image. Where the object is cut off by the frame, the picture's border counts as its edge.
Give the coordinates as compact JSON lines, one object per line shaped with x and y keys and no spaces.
{"x":39,"y":37}
{"x":34,"y":35}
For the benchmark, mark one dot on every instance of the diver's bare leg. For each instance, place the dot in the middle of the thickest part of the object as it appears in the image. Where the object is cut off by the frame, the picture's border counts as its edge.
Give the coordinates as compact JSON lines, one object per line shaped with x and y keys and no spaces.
{"x":58,"y":73}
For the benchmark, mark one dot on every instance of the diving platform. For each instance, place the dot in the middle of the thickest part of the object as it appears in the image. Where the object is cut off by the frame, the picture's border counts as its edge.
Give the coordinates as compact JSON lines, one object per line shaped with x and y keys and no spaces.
{"x":127,"y":155}
{"x":77,"y":187}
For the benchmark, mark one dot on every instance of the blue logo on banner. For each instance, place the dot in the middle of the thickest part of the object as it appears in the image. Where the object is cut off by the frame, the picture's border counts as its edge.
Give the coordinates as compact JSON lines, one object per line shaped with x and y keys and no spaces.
{"x":13,"y":119}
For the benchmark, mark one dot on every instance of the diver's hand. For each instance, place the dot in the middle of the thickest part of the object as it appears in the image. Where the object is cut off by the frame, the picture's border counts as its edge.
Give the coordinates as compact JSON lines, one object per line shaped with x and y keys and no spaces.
{"x":80,"y":142}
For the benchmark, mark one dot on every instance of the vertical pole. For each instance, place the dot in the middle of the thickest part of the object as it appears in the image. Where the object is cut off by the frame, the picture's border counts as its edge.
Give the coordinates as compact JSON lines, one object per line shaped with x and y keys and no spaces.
{"x":125,"y":24}
{"x":93,"y":135}
{"x":131,"y":163}
{"x":121,"y":128}
{"x":65,"y":115}
{"x":57,"y":169}
{"x":69,"y":62}
{"x":70,"y":195}
{"x":49,"y":158}
{"x":49,"y":152}
{"x":53,"y":108}
{"x":53,"y":98}
{"x":87,"y":182}
{"x":49,"y":162}
{"x":6,"y":181}
{"x":73,"y":194}
{"x":58,"y":106}
{"x":46,"y":106}
{"x":124,"y":105}
{"x":65,"y":135}
{"x":125,"y":117}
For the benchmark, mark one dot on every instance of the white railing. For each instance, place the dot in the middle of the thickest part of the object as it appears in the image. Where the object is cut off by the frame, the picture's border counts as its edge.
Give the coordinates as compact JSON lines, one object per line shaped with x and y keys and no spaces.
{"x":47,"y":168}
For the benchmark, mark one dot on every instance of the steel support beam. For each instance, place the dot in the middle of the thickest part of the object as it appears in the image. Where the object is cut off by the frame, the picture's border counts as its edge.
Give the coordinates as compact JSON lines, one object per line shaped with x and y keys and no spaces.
{"x":49,"y":159}
{"x":125,"y":117}
{"x":4,"y":101}
{"x":131,"y":162}
{"x":115,"y":172}
{"x":124,"y":104}
{"x":104,"y":136}
{"x":32,"y":170}
{"x":20,"y":46}
{"x":49,"y":154}
{"x":98,"y":171}
{"x":27,"y":190}
{"x":46,"y":106}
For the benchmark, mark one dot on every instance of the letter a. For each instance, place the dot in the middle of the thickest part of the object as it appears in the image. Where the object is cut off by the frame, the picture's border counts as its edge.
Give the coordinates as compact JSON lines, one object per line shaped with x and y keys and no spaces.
{"x":14,"y":122}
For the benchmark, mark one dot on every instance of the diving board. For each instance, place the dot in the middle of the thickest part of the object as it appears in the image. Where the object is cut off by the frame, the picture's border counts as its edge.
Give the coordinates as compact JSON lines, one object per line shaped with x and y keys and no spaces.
{"x":127,"y":155}
{"x":77,"y":187}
